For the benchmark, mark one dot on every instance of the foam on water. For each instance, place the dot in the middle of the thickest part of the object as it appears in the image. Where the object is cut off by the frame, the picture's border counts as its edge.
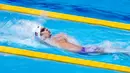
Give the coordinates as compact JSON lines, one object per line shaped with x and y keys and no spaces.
{"x":20,"y":31}
{"x":116,"y":47}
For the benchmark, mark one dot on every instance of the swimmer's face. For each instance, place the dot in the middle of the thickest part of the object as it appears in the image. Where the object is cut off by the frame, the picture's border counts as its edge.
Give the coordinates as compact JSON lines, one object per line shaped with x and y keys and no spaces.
{"x":45,"y":33}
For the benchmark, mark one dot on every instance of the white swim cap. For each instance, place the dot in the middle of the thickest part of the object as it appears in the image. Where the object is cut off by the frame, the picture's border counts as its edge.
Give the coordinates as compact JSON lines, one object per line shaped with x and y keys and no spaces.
{"x":37,"y":32}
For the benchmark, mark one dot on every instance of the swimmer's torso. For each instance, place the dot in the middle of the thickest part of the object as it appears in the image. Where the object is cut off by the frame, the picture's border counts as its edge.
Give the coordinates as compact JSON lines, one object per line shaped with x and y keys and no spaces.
{"x":62,"y":42}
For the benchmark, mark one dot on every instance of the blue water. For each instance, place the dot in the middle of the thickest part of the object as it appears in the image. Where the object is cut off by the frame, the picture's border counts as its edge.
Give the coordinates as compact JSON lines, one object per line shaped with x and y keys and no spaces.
{"x":113,"y":10}
{"x":16,"y":31}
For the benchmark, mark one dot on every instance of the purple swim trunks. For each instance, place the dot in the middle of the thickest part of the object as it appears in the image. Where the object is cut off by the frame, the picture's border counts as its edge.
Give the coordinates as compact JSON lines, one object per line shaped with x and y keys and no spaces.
{"x":92,"y":49}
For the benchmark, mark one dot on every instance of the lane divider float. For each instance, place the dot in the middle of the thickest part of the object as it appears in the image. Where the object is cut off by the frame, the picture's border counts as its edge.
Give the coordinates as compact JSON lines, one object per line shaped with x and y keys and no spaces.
{"x":65,"y":59}
{"x":57,"y":15}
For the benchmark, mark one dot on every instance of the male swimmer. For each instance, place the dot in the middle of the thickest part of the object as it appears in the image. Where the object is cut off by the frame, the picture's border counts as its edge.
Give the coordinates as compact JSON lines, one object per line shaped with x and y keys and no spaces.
{"x":60,"y":40}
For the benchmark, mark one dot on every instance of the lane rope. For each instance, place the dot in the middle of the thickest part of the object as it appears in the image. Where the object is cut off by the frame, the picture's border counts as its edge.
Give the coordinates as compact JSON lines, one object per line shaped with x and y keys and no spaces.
{"x":57,"y":15}
{"x":65,"y":59}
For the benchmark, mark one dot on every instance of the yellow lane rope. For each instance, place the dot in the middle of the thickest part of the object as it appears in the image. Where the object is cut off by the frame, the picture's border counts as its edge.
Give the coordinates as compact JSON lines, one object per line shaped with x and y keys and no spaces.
{"x":64,"y":59}
{"x":93,"y":21}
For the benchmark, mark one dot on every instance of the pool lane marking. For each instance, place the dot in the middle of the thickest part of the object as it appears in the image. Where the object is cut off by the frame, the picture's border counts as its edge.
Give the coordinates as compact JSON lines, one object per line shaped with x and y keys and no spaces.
{"x":64,"y":59}
{"x":57,"y":15}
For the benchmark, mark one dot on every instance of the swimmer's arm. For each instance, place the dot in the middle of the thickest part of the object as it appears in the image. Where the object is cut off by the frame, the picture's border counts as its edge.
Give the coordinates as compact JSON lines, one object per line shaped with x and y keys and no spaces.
{"x":61,"y":35}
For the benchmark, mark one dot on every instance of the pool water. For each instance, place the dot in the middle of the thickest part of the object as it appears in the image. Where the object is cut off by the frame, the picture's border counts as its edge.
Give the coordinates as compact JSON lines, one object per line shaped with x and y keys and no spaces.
{"x":113,"y":10}
{"x":16,"y":30}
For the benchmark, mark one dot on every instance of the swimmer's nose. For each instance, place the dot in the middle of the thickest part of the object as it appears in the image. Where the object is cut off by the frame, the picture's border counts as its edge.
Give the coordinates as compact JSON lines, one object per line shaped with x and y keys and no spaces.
{"x":36,"y":34}
{"x":37,"y":26}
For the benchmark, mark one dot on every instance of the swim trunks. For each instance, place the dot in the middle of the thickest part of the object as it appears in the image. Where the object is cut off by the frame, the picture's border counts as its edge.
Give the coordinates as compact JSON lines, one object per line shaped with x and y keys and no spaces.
{"x":92,"y":49}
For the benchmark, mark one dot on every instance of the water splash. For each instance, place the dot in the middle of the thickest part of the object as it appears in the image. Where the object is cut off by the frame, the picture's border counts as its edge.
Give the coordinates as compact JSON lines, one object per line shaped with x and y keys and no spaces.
{"x":20,"y":31}
{"x":115,"y":47}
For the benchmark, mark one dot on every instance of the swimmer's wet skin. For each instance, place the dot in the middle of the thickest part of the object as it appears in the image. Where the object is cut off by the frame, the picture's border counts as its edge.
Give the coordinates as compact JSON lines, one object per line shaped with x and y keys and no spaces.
{"x":61,"y":41}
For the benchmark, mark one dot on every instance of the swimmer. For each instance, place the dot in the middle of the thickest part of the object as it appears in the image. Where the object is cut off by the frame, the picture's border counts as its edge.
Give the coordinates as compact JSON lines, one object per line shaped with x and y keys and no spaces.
{"x":60,"y":40}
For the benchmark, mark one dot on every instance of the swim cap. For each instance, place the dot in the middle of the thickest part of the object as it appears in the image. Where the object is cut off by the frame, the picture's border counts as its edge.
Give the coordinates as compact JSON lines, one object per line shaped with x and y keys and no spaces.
{"x":37,"y":32}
